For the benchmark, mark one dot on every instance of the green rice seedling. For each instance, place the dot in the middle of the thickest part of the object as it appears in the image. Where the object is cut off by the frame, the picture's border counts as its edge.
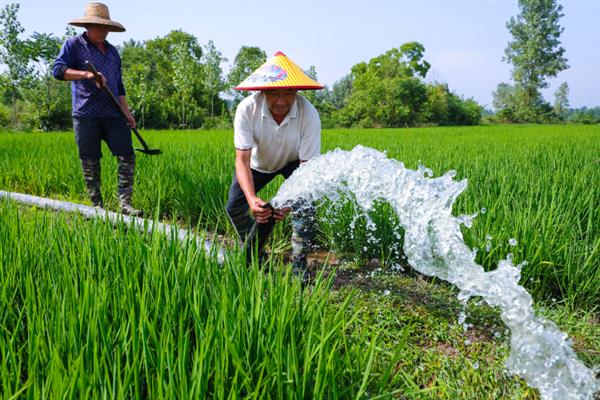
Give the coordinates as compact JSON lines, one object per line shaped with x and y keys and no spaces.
{"x":375,"y":235}
{"x":534,"y":184}
{"x":537,"y":185}
{"x":103,"y":311}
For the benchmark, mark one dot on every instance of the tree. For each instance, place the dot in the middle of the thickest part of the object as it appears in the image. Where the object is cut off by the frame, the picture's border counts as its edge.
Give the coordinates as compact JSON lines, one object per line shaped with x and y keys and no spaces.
{"x":387,"y":91}
{"x":48,"y":100}
{"x":444,"y":107}
{"x":176,"y":61}
{"x":314,"y":96}
{"x":319,"y":99}
{"x":138,"y":78}
{"x":535,"y":51}
{"x":213,"y":74}
{"x":140,"y":93}
{"x":503,"y":97}
{"x":341,"y":91}
{"x":561,"y":102}
{"x":14,"y":53}
{"x":246,"y":61}
{"x":183,"y":75}
{"x":504,"y":102}
{"x":584,"y":115}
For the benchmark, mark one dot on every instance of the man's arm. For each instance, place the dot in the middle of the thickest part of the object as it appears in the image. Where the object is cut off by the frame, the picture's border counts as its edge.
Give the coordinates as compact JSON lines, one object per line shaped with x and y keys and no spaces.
{"x":62,"y":68}
{"x":125,"y":107}
{"x":70,"y":74}
{"x":244,"y":178}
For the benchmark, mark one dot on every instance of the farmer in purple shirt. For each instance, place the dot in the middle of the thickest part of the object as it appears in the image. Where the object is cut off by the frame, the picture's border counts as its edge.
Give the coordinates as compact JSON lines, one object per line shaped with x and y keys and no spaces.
{"x":95,"y":116}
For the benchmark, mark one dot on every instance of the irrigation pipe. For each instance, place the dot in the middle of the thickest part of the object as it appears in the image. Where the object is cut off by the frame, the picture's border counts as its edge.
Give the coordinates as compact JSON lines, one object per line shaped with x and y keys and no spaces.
{"x":141,"y":224}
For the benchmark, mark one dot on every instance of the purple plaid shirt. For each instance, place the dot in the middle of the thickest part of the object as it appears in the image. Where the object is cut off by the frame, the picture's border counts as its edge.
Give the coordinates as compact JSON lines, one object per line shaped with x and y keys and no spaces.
{"x":89,"y":100}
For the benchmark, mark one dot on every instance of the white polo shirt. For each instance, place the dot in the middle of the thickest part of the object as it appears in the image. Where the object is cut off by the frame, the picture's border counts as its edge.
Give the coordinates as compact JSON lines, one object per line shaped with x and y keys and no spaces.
{"x":298,"y":137}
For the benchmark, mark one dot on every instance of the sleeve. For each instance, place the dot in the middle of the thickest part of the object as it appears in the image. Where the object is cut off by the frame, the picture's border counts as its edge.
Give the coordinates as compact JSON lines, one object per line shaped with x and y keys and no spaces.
{"x":243,"y":139}
{"x":65,"y":59}
{"x":120,"y":86}
{"x":310,"y":136}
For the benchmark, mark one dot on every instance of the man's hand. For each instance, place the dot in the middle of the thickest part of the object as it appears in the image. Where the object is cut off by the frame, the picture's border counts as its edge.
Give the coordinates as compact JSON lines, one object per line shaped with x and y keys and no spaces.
{"x":130,"y":119}
{"x":100,"y":81}
{"x":261,"y":214}
{"x":280,"y":213}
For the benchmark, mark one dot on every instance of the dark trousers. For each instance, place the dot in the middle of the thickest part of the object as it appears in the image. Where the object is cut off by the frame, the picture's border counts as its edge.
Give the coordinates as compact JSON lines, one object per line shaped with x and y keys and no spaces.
{"x":89,"y":131}
{"x":237,"y":209}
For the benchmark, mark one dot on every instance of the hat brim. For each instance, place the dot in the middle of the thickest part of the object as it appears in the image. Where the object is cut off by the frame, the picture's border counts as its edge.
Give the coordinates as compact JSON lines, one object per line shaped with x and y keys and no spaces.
{"x":298,"y":87}
{"x":85,"y":21}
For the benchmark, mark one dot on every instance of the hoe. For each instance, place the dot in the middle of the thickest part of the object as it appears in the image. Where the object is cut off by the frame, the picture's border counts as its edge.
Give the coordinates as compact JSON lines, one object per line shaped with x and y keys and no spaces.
{"x":146,"y":149}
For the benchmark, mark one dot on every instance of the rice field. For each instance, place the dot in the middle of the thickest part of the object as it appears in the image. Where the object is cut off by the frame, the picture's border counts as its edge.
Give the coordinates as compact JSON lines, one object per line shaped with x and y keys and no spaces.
{"x":97,"y":311}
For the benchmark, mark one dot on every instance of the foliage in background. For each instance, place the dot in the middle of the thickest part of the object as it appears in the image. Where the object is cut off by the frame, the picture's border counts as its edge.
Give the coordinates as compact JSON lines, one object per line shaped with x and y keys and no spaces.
{"x":246,"y":61}
{"x":536,"y":55}
{"x":213,"y":74}
{"x":561,"y":101}
{"x":175,"y":82}
{"x":15,"y":56}
{"x":389,"y":91}
{"x":47,"y":101}
{"x":584,"y":115}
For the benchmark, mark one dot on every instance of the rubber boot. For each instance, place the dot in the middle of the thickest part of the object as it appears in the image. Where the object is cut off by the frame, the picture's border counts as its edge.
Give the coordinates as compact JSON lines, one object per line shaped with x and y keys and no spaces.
{"x":91,"y":175}
{"x":126,"y":172}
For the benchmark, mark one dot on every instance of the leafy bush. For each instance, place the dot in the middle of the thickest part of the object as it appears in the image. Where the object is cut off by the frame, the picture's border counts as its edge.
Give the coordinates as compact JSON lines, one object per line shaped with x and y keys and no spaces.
{"x":4,"y":116}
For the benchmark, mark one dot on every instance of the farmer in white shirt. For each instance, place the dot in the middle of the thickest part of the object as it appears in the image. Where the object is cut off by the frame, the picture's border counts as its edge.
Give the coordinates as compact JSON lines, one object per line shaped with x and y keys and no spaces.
{"x":275,"y":130}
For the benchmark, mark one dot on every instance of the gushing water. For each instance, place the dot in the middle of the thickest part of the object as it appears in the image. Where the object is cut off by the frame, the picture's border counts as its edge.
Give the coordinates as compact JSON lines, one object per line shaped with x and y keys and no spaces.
{"x":433,"y":243}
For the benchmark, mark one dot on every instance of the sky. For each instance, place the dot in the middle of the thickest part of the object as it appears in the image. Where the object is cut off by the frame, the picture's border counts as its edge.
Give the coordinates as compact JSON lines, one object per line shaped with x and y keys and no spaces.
{"x":464,"y":40}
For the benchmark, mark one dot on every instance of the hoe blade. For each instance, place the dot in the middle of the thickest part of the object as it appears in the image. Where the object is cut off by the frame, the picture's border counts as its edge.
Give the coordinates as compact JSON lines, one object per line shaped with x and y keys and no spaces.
{"x":151,"y":152}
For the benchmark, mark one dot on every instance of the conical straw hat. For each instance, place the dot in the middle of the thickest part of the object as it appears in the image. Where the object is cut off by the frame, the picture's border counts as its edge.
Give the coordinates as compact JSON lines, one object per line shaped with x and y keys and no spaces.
{"x":97,"y":14}
{"x":279,"y":73}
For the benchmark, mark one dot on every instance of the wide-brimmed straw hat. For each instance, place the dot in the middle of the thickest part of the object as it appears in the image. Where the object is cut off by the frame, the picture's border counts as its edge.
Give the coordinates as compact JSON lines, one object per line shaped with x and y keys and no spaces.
{"x":279,"y":72}
{"x":97,"y":14}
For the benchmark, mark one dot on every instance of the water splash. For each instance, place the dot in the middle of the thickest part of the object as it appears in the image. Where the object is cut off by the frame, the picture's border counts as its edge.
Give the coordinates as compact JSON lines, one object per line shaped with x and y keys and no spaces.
{"x":433,"y":243}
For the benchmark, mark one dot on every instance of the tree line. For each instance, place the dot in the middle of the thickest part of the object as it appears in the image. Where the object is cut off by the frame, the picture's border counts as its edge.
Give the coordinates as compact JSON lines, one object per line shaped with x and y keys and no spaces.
{"x":175,"y":82}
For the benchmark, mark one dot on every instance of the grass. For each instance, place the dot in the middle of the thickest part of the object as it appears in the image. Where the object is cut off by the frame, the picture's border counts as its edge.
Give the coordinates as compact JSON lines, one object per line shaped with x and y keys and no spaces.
{"x":536,"y":183}
{"x":112,"y":313}
{"x":97,"y":311}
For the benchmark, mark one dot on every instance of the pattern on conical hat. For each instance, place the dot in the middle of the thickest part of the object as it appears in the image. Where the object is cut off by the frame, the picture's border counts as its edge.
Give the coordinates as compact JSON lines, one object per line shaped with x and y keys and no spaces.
{"x":279,"y":73}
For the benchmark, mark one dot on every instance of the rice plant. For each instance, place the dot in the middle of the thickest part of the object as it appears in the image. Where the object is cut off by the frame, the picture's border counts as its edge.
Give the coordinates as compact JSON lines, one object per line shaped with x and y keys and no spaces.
{"x":537,"y":184}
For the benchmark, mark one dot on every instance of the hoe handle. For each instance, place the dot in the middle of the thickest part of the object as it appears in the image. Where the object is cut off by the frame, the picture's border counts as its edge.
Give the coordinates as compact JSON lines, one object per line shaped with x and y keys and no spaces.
{"x":98,"y":79}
